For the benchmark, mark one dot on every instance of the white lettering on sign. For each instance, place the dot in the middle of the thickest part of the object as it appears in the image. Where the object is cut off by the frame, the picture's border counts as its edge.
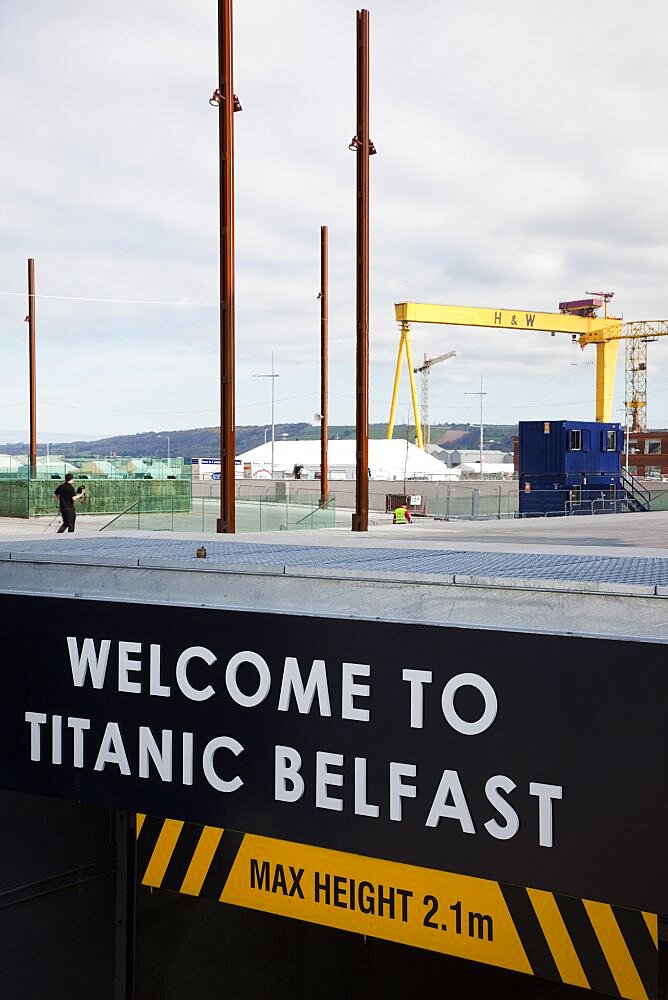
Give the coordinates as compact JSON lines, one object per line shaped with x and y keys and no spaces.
{"x":351,"y":690}
{"x":399,"y":790}
{"x":161,"y":756}
{"x":496,"y":784}
{"x":448,"y":801}
{"x":112,"y":750}
{"x":448,"y":704}
{"x":324,"y":778}
{"x":419,"y":678}
{"x":396,"y":790}
{"x":545,"y":795}
{"x":89,"y":659}
{"x":156,"y":687}
{"x":292,"y":683}
{"x":92,"y":661}
{"x":288,"y":782}
{"x":362,"y":807}
{"x":212,"y":776}
{"x":450,"y":787}
{"x":182,"y":664}
{"x":126,"y":664}
{"x":263,"y":680}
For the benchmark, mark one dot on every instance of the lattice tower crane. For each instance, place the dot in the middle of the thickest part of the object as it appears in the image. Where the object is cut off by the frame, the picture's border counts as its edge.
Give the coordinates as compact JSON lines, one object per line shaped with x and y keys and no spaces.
{"x":638,"y":335}
{"x":424,"y":370}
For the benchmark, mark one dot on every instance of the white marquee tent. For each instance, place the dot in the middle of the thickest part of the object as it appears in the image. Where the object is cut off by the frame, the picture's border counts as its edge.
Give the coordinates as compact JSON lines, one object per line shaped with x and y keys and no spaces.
{"x":389,"y":460}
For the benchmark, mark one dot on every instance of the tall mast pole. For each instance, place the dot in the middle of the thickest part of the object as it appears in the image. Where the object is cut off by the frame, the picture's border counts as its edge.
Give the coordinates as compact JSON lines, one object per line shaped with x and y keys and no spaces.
{"x":226,"y":521}
{"x":31,"y":367}
{"x":360,"y":520}
{"x":273,"y":422}
{"x":324,"y":417}
{"x":481,"y":394}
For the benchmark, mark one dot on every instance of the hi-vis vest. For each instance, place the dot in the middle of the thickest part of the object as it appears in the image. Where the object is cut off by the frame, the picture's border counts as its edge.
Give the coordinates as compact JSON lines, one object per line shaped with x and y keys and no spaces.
{"x":400,"y":516}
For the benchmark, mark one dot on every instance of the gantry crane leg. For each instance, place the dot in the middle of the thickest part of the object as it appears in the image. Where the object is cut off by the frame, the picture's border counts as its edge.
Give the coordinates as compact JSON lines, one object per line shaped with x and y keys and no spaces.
{"x":395,"y":389}
{"x":606,"y":362}
{"x":405,"y":343}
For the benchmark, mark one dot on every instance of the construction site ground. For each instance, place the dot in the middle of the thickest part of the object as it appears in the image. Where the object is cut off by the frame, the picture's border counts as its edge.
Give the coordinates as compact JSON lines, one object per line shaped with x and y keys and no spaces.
{"x":644,"y":534}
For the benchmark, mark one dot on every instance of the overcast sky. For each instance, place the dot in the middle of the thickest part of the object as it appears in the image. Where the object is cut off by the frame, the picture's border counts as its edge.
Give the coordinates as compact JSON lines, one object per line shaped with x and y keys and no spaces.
{"x":522,"y":160}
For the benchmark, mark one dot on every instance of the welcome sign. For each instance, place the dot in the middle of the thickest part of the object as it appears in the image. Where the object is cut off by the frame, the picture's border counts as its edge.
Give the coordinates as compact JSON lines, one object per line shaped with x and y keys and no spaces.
{"x":537,"y":760}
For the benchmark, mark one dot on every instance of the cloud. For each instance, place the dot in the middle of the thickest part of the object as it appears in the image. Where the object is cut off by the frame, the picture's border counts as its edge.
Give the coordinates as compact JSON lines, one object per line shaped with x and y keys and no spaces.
{"x":520,"y":162}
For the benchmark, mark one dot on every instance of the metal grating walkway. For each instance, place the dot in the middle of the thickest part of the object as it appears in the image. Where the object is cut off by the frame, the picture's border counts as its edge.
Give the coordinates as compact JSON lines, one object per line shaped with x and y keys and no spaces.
{"x":649,"y":571}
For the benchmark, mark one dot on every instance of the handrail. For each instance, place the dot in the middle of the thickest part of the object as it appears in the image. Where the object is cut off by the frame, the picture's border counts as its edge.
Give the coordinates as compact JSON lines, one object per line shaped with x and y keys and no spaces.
{"x":323,"y":506}
{"x":600,"y":505}
{"x":633,"y":486}
{"x":114,"y":519}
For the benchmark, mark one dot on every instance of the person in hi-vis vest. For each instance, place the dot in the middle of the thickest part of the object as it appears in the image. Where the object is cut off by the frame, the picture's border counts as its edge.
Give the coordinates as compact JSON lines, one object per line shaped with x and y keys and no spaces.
{"x":402,"y":515}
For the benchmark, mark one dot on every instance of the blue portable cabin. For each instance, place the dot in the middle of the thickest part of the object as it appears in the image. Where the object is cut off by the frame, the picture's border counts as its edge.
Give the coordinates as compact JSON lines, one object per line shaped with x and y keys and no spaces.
{"x":565,"y":465}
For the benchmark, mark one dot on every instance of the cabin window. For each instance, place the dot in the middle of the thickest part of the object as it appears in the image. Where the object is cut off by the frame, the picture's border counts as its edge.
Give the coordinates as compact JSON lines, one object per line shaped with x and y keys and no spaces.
{"x":611,"y":440}
{"x":576,"y":440}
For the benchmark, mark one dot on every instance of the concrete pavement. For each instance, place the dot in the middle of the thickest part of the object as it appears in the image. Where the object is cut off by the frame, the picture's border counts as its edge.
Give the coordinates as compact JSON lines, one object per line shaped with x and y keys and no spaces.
{"x":642,"y":535}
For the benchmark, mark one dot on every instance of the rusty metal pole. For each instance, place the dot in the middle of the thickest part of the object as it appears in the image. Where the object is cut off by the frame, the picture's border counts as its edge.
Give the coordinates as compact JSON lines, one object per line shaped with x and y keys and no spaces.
{"x":226,"y":521}
{"x":31,"y":367}
{"x":324,"y":466}
{"x":360,"y":520}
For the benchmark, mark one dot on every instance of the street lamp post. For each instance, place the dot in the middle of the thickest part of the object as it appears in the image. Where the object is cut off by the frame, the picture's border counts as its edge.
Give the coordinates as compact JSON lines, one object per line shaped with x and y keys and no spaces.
{"x":481,"y":394}
{"x":169,"y":450}
{"x":273,"y":376}
{"x":626,"y":436}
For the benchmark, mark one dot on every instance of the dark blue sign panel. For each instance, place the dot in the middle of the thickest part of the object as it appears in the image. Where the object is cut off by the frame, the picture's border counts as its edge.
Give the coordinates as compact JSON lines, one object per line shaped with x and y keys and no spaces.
{"x":536,"y":760}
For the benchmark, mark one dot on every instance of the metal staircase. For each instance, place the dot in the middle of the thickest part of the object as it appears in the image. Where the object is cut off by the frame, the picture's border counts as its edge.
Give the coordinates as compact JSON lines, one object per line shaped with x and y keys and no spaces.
{"x":636,"y":497}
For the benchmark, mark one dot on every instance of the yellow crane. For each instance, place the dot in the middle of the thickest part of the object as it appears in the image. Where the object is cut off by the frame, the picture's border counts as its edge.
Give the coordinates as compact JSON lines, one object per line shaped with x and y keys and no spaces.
{"x":424,"y":440}
{"x":605,"y":332}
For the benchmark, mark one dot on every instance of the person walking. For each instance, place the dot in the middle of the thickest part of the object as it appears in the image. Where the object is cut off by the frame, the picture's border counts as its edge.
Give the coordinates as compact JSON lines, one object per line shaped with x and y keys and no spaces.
{"x":67,"y":497}
{"x":402,"y":515}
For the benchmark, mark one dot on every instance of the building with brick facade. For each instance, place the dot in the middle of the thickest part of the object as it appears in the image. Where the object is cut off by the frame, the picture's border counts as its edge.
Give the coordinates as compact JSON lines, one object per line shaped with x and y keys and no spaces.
{"x":648,"y":454}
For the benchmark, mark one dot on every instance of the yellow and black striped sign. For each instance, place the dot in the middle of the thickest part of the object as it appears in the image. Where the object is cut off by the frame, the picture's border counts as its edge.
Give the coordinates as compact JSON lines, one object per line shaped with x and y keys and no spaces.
{"x":581,"y":942}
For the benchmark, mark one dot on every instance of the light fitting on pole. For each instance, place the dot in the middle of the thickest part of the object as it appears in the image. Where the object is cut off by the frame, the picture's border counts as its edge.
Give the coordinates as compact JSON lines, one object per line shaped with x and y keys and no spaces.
{"x":218,"y":97}
{"x":355,"y":144}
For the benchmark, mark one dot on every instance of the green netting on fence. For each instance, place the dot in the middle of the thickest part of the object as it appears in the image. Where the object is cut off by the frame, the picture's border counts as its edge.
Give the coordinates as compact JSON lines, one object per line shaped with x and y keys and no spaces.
{"x":32,"y":497}
{"x":15,"y":498}
{"x":94,"y":467}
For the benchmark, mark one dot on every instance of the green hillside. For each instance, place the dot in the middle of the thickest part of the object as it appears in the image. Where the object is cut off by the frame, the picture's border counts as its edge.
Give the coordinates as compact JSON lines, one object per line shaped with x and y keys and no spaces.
{"x":204,"y":442}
